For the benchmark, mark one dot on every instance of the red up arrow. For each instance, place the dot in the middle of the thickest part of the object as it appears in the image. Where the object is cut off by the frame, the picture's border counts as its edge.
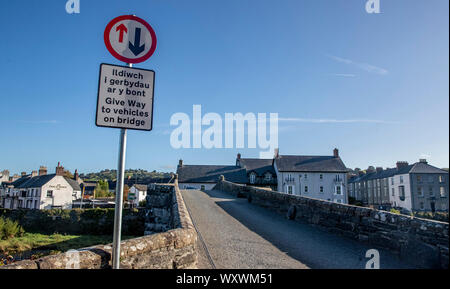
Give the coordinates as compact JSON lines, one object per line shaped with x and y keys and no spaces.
{"x":122,"y":29}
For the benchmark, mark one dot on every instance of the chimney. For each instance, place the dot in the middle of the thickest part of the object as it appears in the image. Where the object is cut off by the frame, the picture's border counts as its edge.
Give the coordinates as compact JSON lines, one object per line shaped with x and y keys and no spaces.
{"x":23,"y":174}
{"x":238,"y":156}
{"x":423,"y":161}
{"x":76,"y":176}
{"x":34,"y":174}
{"x":42,"y":170}
{"x":379,"y":169}
{"x":59,"y":170}
{"x":336,"y":153}
{"x":401,"y":164}
{"x":276,"y":153}
{"x":180,"y":163}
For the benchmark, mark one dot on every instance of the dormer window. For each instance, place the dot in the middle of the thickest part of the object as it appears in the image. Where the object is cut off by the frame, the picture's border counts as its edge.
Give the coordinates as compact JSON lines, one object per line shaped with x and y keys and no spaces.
{"x":268,"y":176}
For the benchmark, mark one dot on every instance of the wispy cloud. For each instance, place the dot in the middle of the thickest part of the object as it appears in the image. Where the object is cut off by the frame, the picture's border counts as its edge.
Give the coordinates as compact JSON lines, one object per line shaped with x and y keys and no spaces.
{"x":40,"y":121}
{"x":330,"y":120}
{"x":343,"y":74}
{"x":364,"y":66}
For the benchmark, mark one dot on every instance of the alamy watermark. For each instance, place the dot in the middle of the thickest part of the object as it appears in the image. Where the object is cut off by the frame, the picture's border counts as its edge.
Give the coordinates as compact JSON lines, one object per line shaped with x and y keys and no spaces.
{"x":73,"y":6}
{"x":373,"y":6}
{"x":225,"y":133}
{"x":374,"y":261}
{"x":72,"y":259}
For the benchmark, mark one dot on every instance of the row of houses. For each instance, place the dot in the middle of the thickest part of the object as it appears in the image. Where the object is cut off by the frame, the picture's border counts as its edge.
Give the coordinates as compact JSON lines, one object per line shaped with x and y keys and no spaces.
{"x":321,"y":177}
{"x":40,"y":190}
{"x":411,"y":187}
{"x":408,"y":187}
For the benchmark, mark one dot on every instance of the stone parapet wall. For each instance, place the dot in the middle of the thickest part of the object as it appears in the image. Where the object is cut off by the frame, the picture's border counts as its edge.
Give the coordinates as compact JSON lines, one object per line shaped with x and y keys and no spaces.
{"x":174,"y":248}
{"x":421,"y":242}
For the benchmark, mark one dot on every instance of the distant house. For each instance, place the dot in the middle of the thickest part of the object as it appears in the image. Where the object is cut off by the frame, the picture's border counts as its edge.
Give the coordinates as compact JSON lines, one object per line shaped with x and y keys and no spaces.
{"x":136,"y":194}
{"x":41,"y":191}
{"x":414,"y":187}
{"x":88,"y":189}
{"x":205,"y":177}
{"x":260,"y":172}
{"x":320,"y":177}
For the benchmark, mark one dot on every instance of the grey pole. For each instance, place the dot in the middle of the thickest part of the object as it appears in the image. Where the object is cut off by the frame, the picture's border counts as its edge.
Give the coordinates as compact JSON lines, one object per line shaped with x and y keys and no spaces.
{"x":119,"y":198}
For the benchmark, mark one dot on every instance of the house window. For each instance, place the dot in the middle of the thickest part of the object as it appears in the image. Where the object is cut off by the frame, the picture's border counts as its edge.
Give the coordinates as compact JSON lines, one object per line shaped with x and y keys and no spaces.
{"x":442,"y":192}
{"x":421,"y":206}
{"x":306,"y":189}
{"x":49,"y":194}
{"x":339,"y":201}
{"x":321,"y":176}
{"x":419,"y":191}
{"x":401,"y":179}
{"x":401,"y":192}
{"x":430,"y":189}
{"x":392,"y":181}
{"x":290,"y":190}
{"x":393,"y":192}
{"x":252,"y":178}
{"x":202,"y":187}
{"x":441,"y":179}
{"x":338,"y":190}
{"x":419,"y":178}
{"x":321,"y":189}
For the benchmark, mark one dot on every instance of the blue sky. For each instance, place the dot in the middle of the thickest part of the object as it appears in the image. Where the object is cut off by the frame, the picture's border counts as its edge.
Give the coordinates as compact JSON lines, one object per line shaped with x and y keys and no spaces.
{"x":373,"y":85}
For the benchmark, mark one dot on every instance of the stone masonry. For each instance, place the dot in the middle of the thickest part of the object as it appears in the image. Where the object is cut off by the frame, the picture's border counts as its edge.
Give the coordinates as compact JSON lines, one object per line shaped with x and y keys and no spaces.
{"x":170,"y":241}
{"x":421,"y":242}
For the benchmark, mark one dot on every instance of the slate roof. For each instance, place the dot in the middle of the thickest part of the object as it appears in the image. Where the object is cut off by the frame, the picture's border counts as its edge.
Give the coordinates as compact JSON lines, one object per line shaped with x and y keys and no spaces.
{"x":19,"y":181}
{"x":210,"y":174}
{"x":424,"y":168}
{"x":74,"y":184}
{"x":416,"y":168}
{"x":39,"y":181}
{"x":287,"y":163}
{"x":140,"y":187}
{"x":260,"y":166}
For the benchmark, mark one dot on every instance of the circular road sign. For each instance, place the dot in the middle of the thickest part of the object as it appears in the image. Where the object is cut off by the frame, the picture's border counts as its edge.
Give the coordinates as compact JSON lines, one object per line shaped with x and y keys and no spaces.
{"x":130,"y":39}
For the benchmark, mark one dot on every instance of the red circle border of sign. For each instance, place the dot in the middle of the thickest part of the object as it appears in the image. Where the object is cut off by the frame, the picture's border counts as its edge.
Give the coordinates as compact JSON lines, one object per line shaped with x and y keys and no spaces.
{"x":117,"y":55}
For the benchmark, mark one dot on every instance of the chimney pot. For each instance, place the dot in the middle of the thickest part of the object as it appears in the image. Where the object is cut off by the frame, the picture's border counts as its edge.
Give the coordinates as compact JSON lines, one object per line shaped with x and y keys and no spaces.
{"x":180,"y":163}
{"x":401,"y":164}
{"x":424,"y":161}
{"x":238,"y":156}
{"x":59,"y":170}
{"x":42,"y":170}
{"x":276,"y":153}
{"x":336,"y":153}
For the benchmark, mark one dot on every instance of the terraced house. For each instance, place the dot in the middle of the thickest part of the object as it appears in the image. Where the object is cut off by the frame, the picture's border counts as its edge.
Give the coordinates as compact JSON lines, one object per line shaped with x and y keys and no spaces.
{"x":413,"y":187}
{"x":40,"y":190}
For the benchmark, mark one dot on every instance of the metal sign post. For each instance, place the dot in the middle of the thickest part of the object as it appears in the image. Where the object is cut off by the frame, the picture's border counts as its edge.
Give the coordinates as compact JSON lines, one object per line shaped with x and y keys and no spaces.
{"x":125,"y":96}
{"x":119,"y":199}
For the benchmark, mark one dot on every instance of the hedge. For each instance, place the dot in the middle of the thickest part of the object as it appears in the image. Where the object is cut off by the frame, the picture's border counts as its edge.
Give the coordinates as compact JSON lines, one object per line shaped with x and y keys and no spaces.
{"x":98,"y":221}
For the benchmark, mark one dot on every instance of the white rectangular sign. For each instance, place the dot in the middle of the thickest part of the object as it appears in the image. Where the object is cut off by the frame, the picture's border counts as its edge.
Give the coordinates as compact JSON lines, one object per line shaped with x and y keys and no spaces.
{"x":125,"y":97}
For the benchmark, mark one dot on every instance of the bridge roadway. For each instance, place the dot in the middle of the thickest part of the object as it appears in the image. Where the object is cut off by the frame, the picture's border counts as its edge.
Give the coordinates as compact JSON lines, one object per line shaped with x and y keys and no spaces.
{"x":234,"y":234}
